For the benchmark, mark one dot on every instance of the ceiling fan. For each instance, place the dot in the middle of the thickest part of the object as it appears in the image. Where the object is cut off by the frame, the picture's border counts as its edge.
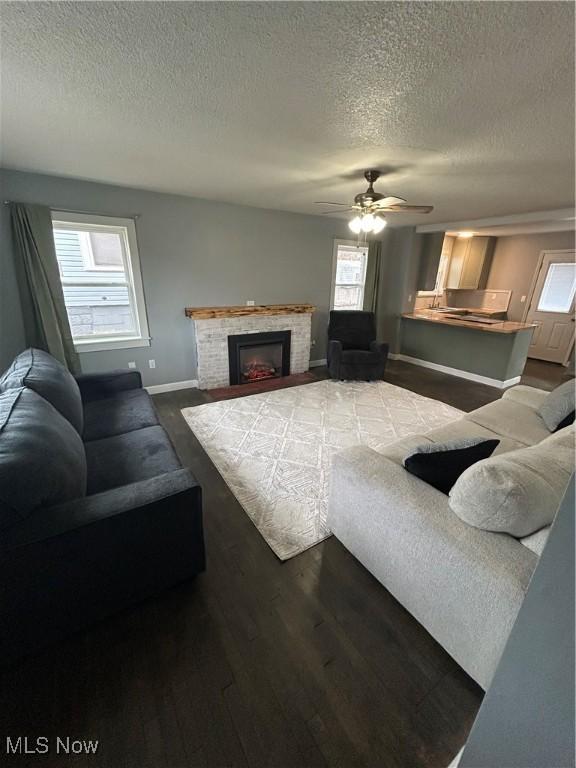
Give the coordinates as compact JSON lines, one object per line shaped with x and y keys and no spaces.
{"x":370,"y":205}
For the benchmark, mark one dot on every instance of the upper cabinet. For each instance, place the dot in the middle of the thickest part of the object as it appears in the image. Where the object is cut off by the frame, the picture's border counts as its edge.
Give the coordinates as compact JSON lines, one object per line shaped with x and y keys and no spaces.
{"x":470,"y":262}
{"x":431,"y":249}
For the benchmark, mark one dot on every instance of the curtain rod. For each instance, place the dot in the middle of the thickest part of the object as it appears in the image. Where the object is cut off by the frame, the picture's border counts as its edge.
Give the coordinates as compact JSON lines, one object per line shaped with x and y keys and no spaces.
{"x":87,"y":213}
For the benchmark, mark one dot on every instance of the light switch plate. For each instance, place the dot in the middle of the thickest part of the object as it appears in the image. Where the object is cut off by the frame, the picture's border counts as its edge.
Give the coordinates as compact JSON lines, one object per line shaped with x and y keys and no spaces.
{"x":152,"y":363}
{"x":132,"y":364}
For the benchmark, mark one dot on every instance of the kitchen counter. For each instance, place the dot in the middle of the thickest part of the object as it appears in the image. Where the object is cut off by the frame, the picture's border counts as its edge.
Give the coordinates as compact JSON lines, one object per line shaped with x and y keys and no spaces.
{"x":491,"y":352}
{"x":492,"y":326}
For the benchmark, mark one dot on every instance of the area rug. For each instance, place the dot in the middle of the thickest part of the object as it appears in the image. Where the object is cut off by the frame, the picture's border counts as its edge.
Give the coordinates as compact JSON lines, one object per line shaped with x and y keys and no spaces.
{"x":274,"y":449}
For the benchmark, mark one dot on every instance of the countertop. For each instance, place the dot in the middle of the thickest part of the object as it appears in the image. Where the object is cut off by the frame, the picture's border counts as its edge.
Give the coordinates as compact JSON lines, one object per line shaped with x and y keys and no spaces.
{"x":470,"y":310}
{"x":504,"y":326}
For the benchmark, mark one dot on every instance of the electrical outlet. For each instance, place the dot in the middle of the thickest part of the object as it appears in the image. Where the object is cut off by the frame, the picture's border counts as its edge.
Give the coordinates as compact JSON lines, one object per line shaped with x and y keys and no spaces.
{"x":313,"y":343}
{"x":132,"y":364}
{"x":409,"y":297}
{"x":522,"y":299}
{"x":250,"y":303}
{"x":152,"y":363}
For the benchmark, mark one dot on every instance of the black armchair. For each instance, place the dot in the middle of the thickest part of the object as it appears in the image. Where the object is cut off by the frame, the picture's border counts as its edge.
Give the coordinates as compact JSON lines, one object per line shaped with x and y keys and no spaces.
{"x":353,"y":352}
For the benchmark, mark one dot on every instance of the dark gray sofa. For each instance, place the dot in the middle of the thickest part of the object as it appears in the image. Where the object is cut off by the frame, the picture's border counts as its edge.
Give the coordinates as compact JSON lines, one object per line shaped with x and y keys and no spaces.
{"x":96,"y":511}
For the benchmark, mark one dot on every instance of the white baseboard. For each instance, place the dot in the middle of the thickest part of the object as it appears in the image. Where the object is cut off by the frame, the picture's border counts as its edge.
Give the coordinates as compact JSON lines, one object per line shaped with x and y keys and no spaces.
{"x":318,"y":363}
{"x":157,"y":389}
{"x":456,"y":372}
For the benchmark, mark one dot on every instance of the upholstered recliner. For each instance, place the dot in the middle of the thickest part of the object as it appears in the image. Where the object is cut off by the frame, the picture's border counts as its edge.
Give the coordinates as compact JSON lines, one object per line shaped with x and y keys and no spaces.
{"x":353,"y":352}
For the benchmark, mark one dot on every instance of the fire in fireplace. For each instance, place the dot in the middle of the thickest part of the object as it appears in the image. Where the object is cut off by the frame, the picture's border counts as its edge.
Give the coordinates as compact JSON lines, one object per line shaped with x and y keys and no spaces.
{"x":257,"y":356}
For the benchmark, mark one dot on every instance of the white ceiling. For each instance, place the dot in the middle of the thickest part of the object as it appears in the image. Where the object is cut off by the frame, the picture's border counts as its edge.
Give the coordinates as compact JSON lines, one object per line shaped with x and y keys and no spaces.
{"x":470,"y":105}
{"x":562,"y":220}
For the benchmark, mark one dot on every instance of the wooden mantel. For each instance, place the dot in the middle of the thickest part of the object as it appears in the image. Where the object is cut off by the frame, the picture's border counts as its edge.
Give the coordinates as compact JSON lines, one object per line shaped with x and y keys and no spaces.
{"x":207,"y":313}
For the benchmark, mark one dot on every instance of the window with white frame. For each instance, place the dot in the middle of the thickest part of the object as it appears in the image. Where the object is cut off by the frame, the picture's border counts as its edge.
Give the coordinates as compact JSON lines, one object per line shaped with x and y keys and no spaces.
{"x":101,"y":280}
{"x":349,"y":275}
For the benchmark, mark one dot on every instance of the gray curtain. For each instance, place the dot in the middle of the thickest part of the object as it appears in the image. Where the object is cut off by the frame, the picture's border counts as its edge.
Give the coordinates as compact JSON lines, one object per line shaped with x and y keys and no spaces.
{"x":45,"y":317}
{"x":371,"y":287}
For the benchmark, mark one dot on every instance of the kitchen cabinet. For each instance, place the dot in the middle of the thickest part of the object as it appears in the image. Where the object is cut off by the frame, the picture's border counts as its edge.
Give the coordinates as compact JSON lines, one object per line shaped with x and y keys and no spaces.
{"x":431,"y":248}
{"x":470,"y":262}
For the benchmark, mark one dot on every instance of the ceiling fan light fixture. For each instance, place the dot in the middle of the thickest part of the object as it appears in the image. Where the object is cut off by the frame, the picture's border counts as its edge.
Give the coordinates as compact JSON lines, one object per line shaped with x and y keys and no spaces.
{"x":356,"y":225}
{"x":379,"y":224}
{"x":368,"y":222}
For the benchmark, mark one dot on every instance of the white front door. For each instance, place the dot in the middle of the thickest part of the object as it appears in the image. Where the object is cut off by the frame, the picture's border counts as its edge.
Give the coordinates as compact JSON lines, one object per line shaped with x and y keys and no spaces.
{"x":552,"y":307}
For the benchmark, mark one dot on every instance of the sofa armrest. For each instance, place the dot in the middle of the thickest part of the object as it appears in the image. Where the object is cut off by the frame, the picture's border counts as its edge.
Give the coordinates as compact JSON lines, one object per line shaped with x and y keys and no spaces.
{"x":463,"y":584}
{"x":334,"y":351}
{"x":380,"y":347}
{"x":100,"y":508}
{"x":94,"y":386}
{"x":363,"y":479}
{"x":530,"y":396}
{"x":73,"y":564}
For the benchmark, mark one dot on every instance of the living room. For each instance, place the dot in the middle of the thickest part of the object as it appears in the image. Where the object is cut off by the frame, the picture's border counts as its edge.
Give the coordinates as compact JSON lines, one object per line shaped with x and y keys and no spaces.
{"x":287,"y":392}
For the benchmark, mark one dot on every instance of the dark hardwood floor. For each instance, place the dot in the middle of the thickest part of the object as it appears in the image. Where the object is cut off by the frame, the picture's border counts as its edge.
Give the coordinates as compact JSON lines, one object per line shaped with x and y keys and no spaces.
{"x":310,"y":662}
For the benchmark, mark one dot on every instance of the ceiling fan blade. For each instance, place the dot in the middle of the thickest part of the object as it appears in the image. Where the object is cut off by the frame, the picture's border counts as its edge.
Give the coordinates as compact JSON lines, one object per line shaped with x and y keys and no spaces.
{"x":332,"y":213}
{"x":401,"y":208}
{"x":327,"y":202}
{"x":386,"y":201}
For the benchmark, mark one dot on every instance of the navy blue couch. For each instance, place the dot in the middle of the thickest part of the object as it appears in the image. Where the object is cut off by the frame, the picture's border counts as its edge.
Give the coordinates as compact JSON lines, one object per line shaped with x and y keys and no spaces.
{"x":96,"y":511}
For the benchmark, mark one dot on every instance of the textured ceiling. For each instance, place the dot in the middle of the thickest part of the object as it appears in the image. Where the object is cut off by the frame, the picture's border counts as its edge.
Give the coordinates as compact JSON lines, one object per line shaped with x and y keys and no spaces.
{"x":469,"y":105}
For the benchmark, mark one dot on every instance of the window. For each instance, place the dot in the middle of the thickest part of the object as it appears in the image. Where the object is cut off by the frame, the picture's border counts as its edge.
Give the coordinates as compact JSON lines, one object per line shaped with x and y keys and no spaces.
{"x":349,"y":275}
{"x":100,"y":273}
{"x":559,"y":288}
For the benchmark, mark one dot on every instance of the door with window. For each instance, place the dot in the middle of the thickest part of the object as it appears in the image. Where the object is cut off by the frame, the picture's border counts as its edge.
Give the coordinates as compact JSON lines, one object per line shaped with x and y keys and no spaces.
{"x":552,"y":307}
{"x":348,"y":275}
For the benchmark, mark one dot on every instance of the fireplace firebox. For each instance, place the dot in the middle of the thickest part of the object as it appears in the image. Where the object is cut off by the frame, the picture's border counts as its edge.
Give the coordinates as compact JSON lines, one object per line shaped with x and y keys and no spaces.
{"x":257,"y":356}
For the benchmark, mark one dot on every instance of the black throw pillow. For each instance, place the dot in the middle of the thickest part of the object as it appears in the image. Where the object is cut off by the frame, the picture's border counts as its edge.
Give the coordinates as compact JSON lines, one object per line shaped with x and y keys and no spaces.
{"x":441,"y":464}
{"x":566,"y":421}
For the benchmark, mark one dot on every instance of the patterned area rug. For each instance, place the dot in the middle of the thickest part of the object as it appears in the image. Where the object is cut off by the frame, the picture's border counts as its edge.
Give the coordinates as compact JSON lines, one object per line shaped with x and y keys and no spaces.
{"x":274,"y":449}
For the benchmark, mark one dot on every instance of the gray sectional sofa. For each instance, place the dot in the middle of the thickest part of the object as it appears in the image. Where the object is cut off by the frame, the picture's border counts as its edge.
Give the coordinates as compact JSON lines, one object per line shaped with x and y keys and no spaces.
{"x":96,"y":511}
{"x":464,"y":584}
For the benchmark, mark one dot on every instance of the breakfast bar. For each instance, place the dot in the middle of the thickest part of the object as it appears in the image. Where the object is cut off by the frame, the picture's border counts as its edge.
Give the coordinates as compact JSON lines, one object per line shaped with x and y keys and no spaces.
{"x":476,"y":347}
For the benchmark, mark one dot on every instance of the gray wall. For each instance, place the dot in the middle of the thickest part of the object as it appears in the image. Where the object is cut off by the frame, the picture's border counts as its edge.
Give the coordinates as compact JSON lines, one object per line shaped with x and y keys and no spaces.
{"x":527,"y":717}
{"x":401,"y":253}
{"x":193,"y":252}
{"x":514,"y":264}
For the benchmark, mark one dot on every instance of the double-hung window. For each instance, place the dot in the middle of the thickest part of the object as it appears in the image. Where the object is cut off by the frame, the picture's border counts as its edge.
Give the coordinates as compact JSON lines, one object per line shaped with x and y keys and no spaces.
{"x":100,"y":273}
{"x":348,"y":275}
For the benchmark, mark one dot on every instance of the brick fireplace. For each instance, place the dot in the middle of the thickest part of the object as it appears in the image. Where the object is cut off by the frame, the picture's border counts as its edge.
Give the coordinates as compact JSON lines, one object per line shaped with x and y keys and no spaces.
{"x":239,"y":344}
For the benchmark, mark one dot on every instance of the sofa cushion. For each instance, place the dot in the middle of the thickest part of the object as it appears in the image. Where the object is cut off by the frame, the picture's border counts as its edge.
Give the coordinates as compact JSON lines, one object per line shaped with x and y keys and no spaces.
{"x":558,"y":405}
{"x":128,"y":458}
{"x":124,"y":412}
{"x":361,"y":357}
{"x":441,"y":464}
{"x":464,"y":428}
{"x":399,"y":449}
{"x":511,"y":419}
{"x":41,"y":372}
{"x":537,"y":541}
{"x":529,"y":396}
{"x":352,"y":328}
{"x":42,"y":460}
{"x":517,"y":492}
